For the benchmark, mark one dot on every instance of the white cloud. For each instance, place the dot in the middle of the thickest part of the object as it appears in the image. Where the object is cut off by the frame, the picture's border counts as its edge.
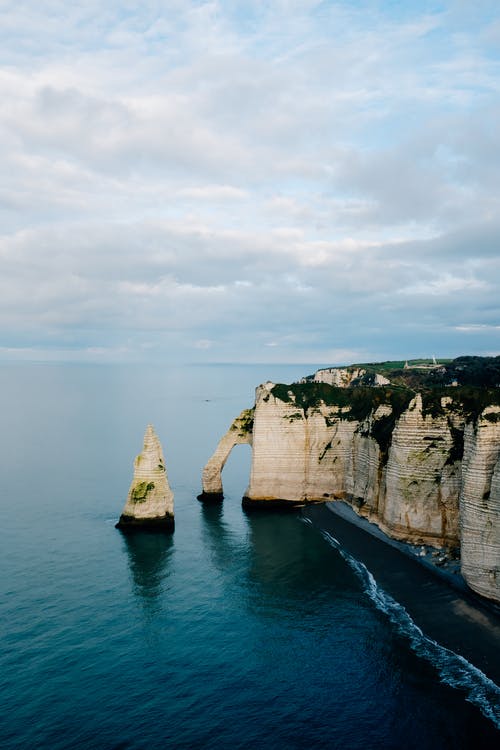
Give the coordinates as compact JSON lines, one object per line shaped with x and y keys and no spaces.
{"x":477,"y":328}
{"x":445,"y":285}
{"x":227,"y":174}
{"x":203,"y":344}
{"x":213,"y":193}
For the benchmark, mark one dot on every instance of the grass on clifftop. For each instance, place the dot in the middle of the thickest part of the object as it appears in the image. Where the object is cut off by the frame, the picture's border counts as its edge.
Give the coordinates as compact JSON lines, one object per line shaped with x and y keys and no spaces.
{"x":482,"y":372}
{"x":388,"y":366}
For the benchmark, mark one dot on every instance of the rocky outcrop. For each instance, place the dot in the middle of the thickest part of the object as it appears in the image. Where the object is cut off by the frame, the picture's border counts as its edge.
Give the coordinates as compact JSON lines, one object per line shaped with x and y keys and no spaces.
{"x":150,"y":501}
{"x":341,"y":377}
{"x":344,"y":377}
{"x":419,"y":502}
{"x":394,"y":454}
{"x":240,"y":431}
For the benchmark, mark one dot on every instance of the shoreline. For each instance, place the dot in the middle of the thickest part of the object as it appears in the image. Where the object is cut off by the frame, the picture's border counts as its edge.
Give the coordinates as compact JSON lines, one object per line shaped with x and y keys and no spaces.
{"x":436,"y":560}
{"x":438,"y":600}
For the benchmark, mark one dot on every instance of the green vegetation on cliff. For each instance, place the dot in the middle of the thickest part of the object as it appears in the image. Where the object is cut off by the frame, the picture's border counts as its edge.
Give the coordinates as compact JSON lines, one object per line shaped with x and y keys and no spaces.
{"x":140,"y":491}
{"x":467,"y":400}
{"x":360,"y":402}
{"x":482,"y":372}
{"x":356,"y":403}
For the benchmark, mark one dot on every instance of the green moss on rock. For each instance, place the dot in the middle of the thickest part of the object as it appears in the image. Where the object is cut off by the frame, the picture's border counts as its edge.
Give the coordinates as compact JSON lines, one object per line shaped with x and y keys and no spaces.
{"x":140,"y":491}
{"x":468,"y":400}
{"x":244,"y":423}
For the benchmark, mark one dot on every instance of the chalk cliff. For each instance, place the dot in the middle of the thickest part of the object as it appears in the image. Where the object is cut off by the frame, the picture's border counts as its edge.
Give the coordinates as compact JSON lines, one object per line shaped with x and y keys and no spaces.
{"x":150,"y":501}
{"x":425,"y":466}
{"x":344,"y":377}
{"x":480,"y":504}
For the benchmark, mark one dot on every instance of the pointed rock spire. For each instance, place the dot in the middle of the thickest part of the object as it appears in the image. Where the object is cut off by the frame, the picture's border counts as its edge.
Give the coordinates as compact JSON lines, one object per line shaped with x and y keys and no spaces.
{"x":150,"y":501}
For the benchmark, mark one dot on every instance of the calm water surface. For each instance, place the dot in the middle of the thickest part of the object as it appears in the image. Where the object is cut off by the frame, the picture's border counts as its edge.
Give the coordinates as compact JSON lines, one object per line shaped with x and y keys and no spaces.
{"x":237,"y":631}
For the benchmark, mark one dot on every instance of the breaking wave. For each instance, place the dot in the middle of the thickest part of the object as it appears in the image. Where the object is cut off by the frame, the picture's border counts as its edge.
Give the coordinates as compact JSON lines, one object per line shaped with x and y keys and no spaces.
{"x":452,"y":668}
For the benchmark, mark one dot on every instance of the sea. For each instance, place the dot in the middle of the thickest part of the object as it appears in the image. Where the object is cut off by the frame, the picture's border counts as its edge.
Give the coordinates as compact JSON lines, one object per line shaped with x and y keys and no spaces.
{"x":239,"y":630}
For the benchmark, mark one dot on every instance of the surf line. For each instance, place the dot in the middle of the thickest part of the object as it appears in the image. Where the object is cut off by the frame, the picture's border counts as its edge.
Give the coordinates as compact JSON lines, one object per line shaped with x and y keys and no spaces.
{"x":452,"y":668}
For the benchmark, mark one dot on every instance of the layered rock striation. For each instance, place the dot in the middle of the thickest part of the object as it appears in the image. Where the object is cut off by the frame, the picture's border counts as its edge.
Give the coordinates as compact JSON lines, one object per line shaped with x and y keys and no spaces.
{"x":480,"y":505}
{"x":425,"y":466}
{"x":150,"y":501}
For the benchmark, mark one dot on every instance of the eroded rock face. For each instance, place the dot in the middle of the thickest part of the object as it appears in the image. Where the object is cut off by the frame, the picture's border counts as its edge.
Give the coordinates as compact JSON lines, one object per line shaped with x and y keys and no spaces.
{"x":480,"y":505}
{"x":397,"y":460}
{"x":150,"y":501}
{"x":422,"y":480}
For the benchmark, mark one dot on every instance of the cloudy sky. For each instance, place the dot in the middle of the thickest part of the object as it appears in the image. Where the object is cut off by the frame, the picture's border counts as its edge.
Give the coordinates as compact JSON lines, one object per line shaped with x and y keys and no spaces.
{"x":252,"y":181}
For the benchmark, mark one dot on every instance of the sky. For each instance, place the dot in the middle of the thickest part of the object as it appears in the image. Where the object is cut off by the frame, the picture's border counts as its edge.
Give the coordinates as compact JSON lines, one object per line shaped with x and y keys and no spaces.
{"x":279,"y":181}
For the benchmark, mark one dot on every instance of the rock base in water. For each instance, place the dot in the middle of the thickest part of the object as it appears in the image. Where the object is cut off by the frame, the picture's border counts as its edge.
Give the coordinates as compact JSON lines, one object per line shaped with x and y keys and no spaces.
{"x":129,"y":523}
{"x":210,"y":497}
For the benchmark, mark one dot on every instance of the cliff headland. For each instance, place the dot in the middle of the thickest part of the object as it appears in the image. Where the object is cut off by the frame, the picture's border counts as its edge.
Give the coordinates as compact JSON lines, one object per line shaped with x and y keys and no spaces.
{"x":412,"y":446}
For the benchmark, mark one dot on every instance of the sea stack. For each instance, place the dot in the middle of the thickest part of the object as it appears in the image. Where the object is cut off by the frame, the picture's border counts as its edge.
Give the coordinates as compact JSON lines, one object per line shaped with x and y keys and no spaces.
{"x":150,"y":501}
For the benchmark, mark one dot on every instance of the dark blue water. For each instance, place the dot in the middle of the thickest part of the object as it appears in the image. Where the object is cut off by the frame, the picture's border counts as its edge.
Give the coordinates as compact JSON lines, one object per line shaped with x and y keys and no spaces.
{"x":237,"y":631}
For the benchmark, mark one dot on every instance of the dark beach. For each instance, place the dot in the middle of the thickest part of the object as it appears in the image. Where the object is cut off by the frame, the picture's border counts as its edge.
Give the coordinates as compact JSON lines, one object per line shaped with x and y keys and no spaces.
{"x":455,"y":619}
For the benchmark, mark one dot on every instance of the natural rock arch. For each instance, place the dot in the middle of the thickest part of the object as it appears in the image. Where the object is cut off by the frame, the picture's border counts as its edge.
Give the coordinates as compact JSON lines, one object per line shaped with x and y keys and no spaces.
{"x":239,"y":433}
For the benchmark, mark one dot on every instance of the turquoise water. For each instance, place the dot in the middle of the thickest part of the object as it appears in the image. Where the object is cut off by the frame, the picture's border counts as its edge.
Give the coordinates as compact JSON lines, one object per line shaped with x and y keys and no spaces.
{"x":237,"y":631}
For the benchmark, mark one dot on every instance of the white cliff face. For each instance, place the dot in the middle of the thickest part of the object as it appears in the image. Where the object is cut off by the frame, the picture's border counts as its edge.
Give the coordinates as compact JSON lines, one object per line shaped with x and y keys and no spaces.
{"x":279,"y":450}
{"x":150,"y":500}
{"x":304,"y":455}
{"x":480,"y":505}
{"x":240,"y":432}
{"x":422,"y":481}
{"x":410,"y":488}
{"x":340,"y":377}
{"x":381,"y":379}
{"x":329,"y":453}
{"x":343,"y":377}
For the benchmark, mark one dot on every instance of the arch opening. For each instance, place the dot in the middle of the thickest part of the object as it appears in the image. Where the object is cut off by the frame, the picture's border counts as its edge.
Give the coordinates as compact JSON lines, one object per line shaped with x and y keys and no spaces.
{"x":239,"y":433}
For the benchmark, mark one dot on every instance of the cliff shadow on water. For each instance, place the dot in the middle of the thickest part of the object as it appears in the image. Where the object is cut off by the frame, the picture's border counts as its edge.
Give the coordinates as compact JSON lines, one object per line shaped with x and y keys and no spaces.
{"x":224,"y":546}
{"x":288,"y":564}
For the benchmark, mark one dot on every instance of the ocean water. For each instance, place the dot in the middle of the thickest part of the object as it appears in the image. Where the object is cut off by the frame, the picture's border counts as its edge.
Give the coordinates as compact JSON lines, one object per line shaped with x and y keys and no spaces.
{"x":240,"y":630}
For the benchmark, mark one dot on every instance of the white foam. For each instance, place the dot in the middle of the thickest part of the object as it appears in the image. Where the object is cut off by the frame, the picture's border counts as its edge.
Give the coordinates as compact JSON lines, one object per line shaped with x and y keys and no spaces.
{"x":452,"y":668}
